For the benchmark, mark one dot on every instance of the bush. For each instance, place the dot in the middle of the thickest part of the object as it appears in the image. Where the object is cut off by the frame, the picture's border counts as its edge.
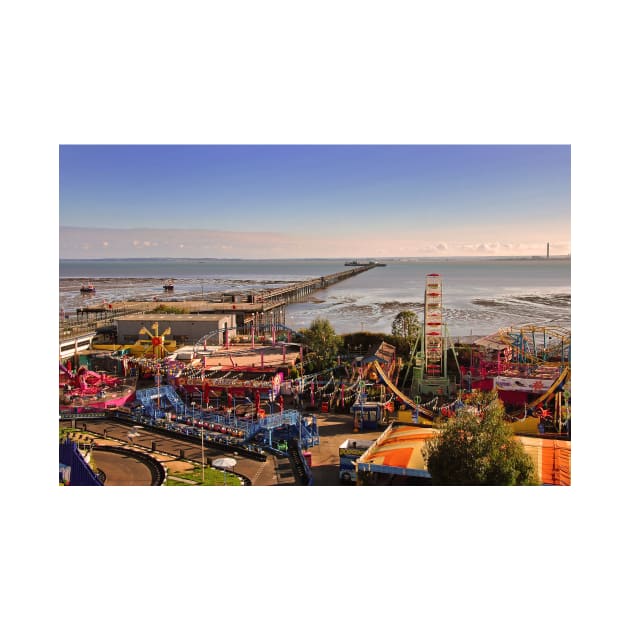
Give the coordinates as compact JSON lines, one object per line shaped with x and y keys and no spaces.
{"x":479,"y":450}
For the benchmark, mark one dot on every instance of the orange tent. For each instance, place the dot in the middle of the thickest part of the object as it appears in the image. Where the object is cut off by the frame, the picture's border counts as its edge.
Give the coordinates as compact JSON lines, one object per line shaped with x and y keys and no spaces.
{"x":552,"y":459}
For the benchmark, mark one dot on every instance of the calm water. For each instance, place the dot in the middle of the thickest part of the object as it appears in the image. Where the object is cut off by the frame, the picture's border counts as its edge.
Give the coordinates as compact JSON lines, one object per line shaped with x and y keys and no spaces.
{"x":479,"y":295}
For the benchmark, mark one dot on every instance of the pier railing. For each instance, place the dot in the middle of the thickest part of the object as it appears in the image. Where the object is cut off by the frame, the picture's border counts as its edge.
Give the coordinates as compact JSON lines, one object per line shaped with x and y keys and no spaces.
{"x":294,"y":292}
{"x":86,"y":321}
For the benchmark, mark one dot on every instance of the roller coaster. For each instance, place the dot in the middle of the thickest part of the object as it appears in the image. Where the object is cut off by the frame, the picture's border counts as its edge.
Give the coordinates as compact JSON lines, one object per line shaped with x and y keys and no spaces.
{"x":531,"y":343}
{"x":162,"y":406}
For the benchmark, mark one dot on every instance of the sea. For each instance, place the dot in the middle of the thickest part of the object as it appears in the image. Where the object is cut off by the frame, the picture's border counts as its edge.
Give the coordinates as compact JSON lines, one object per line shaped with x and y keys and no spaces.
{"x":480,"y":295}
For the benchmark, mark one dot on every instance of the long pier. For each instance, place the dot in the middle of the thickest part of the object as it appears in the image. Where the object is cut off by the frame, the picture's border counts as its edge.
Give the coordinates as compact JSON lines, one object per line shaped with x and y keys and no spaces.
{"x":89,"y":318}
{"x":297,"y":291}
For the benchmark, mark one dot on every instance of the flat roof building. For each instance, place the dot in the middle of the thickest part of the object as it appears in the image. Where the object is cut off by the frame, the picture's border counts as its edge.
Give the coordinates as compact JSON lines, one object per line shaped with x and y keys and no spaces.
{"x":185,"y":328}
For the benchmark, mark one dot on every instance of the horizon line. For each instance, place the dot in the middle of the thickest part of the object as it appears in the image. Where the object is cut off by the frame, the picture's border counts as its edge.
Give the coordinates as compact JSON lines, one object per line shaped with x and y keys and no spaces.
{"x":369,"y":258}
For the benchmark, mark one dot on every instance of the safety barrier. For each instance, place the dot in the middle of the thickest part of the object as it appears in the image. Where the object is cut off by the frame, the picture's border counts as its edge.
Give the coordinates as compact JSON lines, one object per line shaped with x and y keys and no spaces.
{"x":158,"y":474}
{"x":301,"y":470}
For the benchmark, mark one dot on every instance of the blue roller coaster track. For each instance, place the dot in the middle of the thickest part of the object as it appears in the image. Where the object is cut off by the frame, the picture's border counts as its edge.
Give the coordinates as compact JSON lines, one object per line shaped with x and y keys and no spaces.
{"x":163,"y":406}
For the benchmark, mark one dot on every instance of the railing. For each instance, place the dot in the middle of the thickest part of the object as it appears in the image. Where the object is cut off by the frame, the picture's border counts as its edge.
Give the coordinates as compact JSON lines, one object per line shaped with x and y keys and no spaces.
{"x":73,"y":327}
{"x":301,"y":471}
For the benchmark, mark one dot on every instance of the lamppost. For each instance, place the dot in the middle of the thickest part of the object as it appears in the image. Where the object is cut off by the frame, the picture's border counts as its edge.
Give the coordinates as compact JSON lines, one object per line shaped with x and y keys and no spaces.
{"x":203,"y":459}
{"x":192,"y":404}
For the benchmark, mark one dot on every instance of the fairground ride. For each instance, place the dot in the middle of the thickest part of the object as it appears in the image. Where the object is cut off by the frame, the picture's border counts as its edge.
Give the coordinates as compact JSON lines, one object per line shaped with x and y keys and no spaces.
{"x":533,"y":343}
{"x":263,"y":334}
{"x":430,"y":375}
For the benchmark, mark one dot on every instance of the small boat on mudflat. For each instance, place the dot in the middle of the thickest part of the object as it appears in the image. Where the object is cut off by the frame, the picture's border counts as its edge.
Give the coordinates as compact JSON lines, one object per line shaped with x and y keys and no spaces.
{"x":87,"y":288}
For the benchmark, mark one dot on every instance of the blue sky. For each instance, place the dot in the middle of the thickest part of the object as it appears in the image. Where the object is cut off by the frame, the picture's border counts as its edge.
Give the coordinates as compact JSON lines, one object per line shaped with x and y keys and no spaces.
{"x":286,"y":201}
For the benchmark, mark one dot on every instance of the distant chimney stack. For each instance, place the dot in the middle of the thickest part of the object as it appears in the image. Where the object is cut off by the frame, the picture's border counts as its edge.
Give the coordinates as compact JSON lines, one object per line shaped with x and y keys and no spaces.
{"x":547,"y":250}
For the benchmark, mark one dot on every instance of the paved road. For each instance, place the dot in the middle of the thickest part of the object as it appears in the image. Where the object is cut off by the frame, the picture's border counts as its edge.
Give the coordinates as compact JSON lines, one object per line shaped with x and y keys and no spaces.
{"x":333,"y":430}
{"x":122,"y":470}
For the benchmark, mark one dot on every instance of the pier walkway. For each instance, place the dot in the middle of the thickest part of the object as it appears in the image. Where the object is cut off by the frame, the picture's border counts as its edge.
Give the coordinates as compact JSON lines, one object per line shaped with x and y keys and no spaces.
{"x":299,"y":290}
{"x":89,"y":318}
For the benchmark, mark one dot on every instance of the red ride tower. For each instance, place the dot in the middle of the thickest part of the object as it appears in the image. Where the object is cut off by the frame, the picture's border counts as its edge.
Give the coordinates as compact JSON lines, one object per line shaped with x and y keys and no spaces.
{"x":433,"y":329}
{"x":430,"y":375}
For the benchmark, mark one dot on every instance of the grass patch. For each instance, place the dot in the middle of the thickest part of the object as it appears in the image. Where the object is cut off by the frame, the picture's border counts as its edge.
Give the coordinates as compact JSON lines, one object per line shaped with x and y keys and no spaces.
{"x":172,"y":310}
{"x":212,"y":477}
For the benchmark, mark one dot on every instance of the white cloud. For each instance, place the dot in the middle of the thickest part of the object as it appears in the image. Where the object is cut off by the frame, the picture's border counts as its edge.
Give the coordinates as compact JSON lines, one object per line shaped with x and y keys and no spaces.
{"x":123,"y":243}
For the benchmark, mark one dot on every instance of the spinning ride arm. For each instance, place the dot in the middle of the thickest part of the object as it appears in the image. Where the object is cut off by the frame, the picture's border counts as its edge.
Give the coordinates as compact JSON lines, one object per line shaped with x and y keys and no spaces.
{"x":422,"y":411}
{"x":556,"y":385}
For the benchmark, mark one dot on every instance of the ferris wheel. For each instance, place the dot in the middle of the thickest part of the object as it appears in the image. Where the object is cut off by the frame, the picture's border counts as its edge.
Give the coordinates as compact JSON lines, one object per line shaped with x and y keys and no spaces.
{"x":433,"y":326}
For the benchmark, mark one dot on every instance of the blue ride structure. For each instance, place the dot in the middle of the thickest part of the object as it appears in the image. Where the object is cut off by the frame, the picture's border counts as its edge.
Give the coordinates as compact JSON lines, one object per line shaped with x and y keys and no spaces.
{"x":162,"y":406}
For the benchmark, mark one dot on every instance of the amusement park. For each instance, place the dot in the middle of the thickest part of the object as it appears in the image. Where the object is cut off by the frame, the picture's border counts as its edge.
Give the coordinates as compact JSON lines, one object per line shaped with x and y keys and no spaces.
{"x":228,"y":392}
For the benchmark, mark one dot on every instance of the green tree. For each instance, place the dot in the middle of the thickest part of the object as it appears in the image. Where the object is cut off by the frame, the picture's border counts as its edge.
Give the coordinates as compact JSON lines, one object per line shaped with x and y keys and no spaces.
{"x":479,"y":451}
{"x":406,"y":325}
{"x":323,"y":342}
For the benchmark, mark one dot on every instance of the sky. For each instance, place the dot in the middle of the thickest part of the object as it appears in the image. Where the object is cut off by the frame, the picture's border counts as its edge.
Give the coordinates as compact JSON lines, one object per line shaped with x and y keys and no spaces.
{"x":313,"y":201}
